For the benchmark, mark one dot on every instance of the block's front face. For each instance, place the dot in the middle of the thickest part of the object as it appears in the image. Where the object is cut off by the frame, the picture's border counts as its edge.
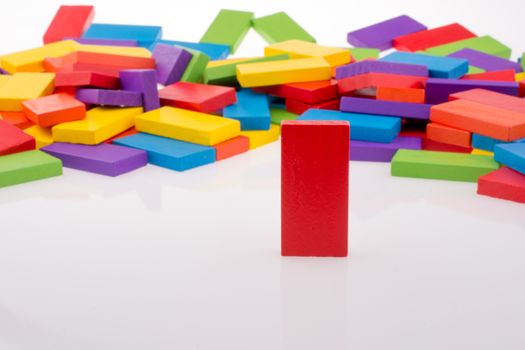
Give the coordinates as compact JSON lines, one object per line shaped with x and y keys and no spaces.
{"x":315,"y":188}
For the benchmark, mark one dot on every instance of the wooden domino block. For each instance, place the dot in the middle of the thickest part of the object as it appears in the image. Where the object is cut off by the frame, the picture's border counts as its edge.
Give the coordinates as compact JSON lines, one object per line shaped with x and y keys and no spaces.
{"x":280,"y":27}
{"x":425,"y":39}
{"x":438,"y":67}
{"x":397,"y":94}
{"x":43,"y":136}
{"x":439,"y":90}
{"x":511,"y":155}
{"x":519,"y":76}
{"x":303,"y":49}
{"x":115,"y":61}
{"x":17,"y":119}
{"x":299,"y":107}
{"x":382,"y":152}
{"x":113,"y":50}
{"x":13,"y":140}
{"x":375,"y":66}
{"x":54,"y":109}
{"x":86,"y":79}
{"x":277,"y":115}
{"x":486,"y":61}
{"x":28,"y":166}
{"x":32,"y":60}
{"x":24,"y":86}
{"x":69,"y":22}
{"x":144,"y":35}
{"x":314,"y":154}
{"x":309,"y":92}
{"x":251,"y":110}
{"x":258,"y":138}
{"x":104,"y":97}
{"x":431,"y":145}
{"x":363,"y":53}
{"x":143,"y":81}
{"x":416,"y":111}
{"x":213,"y":51}
{"x":231,"y":147}
{"x":171,"y":63}
{"x":449,"y":135}
{"x":491,"y":98}
{"x":503,"y":183}
{"x":194,"y":72}
{"x":499,"y":75}
{"x":228,"y":28}
{"x":375,"y":80}
{"x":197,"y":97}
{"x":482,"y":152}
{"x":485,"y":44}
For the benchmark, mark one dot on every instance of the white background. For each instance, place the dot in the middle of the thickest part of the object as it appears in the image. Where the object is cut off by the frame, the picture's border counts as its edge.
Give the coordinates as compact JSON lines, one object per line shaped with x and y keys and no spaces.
{"x":162,"y":260}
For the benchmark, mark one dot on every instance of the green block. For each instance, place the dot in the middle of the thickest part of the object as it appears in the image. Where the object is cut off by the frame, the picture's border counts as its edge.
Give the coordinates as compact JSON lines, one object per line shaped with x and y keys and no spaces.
{"x":360,"y":54}
{"x":228,"y":28}
{"x":475,"y":70}
{"x":227,"y":75}
{"x":280,"y":27}
{"x":523,"y":61}
{"x":485,"y":44}
{"x":277,"y":115}
{"x":194,"y":72}
{"x":441,"y":165}
{"x":28,"y":166}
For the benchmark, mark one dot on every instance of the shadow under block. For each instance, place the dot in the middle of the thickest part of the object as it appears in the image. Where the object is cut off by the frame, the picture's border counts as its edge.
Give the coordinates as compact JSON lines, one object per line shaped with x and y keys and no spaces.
{"x":485,"y":44}
{"x":441,"y":165}
{"x":189,"y":126}
{"x":335,"y":56}
{"x":69,"y":22}
{"x":197,"y":97}
{"x":144,"y":35}
{"x":228,"y":28}
{"x":24,"y":86}
{"x":388,"y":108}
{"x":171,"y":63}
{"x":277,"y":115}
{"x":433,"y":37}
{"x":54,"y":109}
{"x":449,"y":135}
{"x":491,"y":98}
{"x":28,"y":166}
{"x":283,"y":72}
{"x":143,"y":81}
{"x":382,"y":152}
{"x":376,"y":66}
{"x":13,"y":140}
{"x":104,"y":97}
{"x":213,"y":51}
{"x":251,"y":110}
{"x":439,"y":90}
{"x":43,"y":136}
{"x":511,"y":155}
{"x":279,"y":27}
{"x":314,"y":188}
{"x":438,"y":67}
{"x":486,"y":61}
{"x":260,"y":138}
{"x":32,"y":60}
{"x":104,"y":159}
{"x":100,"y":124}
{"x":231,"y":147}
{"x":169,"y":153}
{"x":503,"y":183}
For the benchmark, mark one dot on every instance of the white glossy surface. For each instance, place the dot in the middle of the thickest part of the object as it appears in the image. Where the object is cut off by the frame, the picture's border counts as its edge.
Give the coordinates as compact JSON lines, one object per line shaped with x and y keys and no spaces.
{"x":162,"y":260}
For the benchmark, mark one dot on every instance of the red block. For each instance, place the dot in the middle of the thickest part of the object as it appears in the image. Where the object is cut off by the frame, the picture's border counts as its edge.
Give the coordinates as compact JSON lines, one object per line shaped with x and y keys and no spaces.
{"x":497,"y":75}
{"x":130,"y":131}
{"x":314,"y":188}
{"x":431,"y":145}
{"x":69,"y":22}
{"x":374,"y":80}
{"x":14,"y":140}
{"x":522,"y":88}
{"x":397,"y":94}
{"x":54,"y":109}
{"x":231,"y":147}
{"x":433,"y":37}
{"x":503,"y":183}
{"x":309,"y":92}
{"x":448,"y":135}
{"x":491,"y":98}
{"x":86,"y":78}
{"x":17,"y":119}
{"x":118,"y":62}
{"x":197,"y":97}
{"x":298,"y":107}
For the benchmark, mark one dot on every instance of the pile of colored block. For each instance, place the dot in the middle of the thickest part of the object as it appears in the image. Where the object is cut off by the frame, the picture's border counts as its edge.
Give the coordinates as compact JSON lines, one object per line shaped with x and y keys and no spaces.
{"x":110,"y":98}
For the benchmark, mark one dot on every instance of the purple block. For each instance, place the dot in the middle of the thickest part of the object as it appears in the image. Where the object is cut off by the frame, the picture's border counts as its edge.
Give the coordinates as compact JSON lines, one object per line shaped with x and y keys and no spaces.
{"x":485,"y":61}
{"x":110,"y":97}
{"x":171,"y":62}
{"x":106,"y":42}
{"x":381,"y":35}
{"x":3,"y":72}
{"x":389,"y":108}
{"x":143,"y":81}
{"x":105,"y":159}
{"x":382,"y":152}
{"x":373,"y":66}
{"x":438,"y":90}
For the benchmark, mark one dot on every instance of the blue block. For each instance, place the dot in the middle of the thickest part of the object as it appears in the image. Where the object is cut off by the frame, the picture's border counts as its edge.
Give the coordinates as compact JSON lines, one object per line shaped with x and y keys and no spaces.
{"x":214,"y":51}
{"x":511,"y":155}
{"x":144,"y":35}
{"x":363,"y":127}
{"x":169,"y":153}
{"x":487,"y":143}
{"x":251,"y":109}
{"x":438,"y":67}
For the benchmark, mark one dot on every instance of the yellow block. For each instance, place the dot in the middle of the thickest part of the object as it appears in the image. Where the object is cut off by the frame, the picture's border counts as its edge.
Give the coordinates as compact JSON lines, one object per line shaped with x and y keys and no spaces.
{"x":218,"y":63}
{"x":520,"y":76}
{"x":24,"y":86}
{"x":43,"y":136}
{"x":335,"y":56}
{"x":4,"y":79}
{"x":100,"y":124}
{"x":260,"y":138}
{"x":115,"y":50}
{"x":182,"y":124}
{"x":283,"y":72}
{"x":482,"y":152}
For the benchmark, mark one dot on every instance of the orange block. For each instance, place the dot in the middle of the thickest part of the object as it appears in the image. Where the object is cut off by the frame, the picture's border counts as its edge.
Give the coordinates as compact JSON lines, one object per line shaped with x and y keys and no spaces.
{"x":448,"y":135}
{"x":17,"y":119}
{"x":54,"y":109}
{"x":101,"y":59}
{"x":386,"y":93}
{"x":498,"y":75}
{"x":374,"y":80}
{"x":232,"y":147}
{"x":130,"y":131}
{"x":309,"y":92}
{"x":491,"y":98}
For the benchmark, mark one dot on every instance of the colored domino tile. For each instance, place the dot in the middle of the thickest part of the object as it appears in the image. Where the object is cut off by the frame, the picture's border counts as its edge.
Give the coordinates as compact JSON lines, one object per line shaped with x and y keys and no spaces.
{"x":100,"y":124}
{"x":28,"y":166}
{"x":107,"y":42}
{"x":130,"y":51}
{"x":363,"y":53}
{"x":228,"y":28}
{"x":283,"y":72}
{"x":365,"y":127}
{"x":299,"y":107}
{"x":143,"y":81}
{"x":197,"y":97}
{"x":433,"y":37}
{"x":144,"y":35}
{"x":389,"y":108}
{"x":482,"y":152}
{"x":376,"y":80}
{"x":449,"y":135}
{"x":189,"y":126}
{"x":24,"y":86}
{"x":42,"y":136}
{"x":194,"y":72}
{"x":441,"y":165}
{"x":511,"y":155}
{"x":251,"y":110}
{"x":431,"y":145}
{"x":128,"y":132}
{"x":171,"y":63}
{"x":499,"y":75}
{"x":486,"y":61}
{"x":213,"y":51}
{"x":503,"y":183}
{"x":104,"y":159}
{"x":303,"y":49}
{"x":374,"y":66}
{"x":279,"y":27}
{"x":382,"y":34}
{"x":110,"y":97}
{"x":491,"y":98}
{"x":382,"y":152}
{"x":258,"y":138}
{"x":484,"y":142}
{"x":17,"y":119}
{"x":438,"y":67}
{"x":168,"y":153}
{"x":314,"y":155}
{"x":69,"y":22}
{"x":54,"y":109}
{"x":277,"y":115}
{"x":104,"y":60}
{"x":32,"y":60}
{"x":438,"y":90}
{"x":485,"y":44}
{"x":397,"y":94}
{"x":309,"y":92}
{"x":13,"y":140}
{"x":231,"y":147}
{"x":86,"y":79}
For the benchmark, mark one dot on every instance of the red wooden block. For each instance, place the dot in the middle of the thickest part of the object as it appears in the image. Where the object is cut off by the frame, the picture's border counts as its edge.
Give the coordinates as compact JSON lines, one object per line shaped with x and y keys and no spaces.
{"x":431,"y":145}
{"x":522,"y":88}
{"x":68,"y":90}
{"x":314,"y":188}
{"x":69,"y":22}
{"x":130,"y":131}
{"x":86,"y":78}
{"x":491,"y":98}
{"x":231,"y":147}
{"x":448,"y":135}
{"x":433,"y":37}
{"x":503,"y":183}
{"x":374,"y":80}
{"x":397,"y":94}
{"x":299,"y":107}
{"x":17,"y":119}
{"x":497,"y":75}
{"x":119,"y":62}
{"x":13,"y":140}
{"x":309,"y":92}
{"x":197,"y":97}
{"x":94,"y":68}
{"x":54,"y":109}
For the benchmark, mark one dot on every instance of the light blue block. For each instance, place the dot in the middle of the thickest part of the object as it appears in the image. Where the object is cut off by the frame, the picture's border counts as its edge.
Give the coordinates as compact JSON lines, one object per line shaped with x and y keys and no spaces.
{"x":144,"y":35}
{"x":169,"y":153}
{"x":363,"y":127}
{"x":214,"y":51}
{"x":438,"y":67}
{"x":511,"y":155}
{"x":251,"y":109}
{"x":487,"y":143}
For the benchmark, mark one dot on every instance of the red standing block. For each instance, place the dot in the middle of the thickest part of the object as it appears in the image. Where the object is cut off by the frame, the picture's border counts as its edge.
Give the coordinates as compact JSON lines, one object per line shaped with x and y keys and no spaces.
{"x":13,"y":140}
{"x":197,"y":97}
{"x":314,"y":188}
{"x":503,"y":183}
{"x":69,"y":22}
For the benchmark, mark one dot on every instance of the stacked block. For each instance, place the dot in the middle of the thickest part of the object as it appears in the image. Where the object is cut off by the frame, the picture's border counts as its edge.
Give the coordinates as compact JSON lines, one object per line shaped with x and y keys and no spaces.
{"x":251,"y":110}
{"x":228,"y":28}
{"x":14,"y":140}
{"x":438,"y":67}
{"x":144,"y":82}
{"x":279,"y":27}
{"x":171,"y":63}
{"x":503,"y":183}
{"x":144,"y":35}
{"x":511,"y":155}
{"x":24,"y":86}
{"x":197,"y":97}
{"x":54,"y":109}
{"x":304,"y":49}
{"x":426,"y":39}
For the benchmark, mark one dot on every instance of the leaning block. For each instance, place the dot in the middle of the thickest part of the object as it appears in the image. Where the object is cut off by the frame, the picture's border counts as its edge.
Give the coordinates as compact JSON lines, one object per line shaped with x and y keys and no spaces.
{"x":485,"y":44}
{"x":54,"y":109}
{"x":42,"y":136}
{"x":433,"y":37}
{"x":231,"y":147}
{"x":491,"y":98}
{"x":303,"y":49}
{"x":449,"y":135}
{"x":503,"y":183}
{"x":251,"y":110}
{"x":441,"y":165}
{"x":374,"y":66}
{"x":511,"y":155}
{"x":260,"y":138}
{"x":32,"y":60}
{"x":486,"y":61}
{"x":197,"y":97}
{"x":17,"y":119}
{"x":110,"y":97}
{"x":279,"y":27}
{"x":194,"y":72}
{"x":24,"y":86}
{"x":28,"y":166}
{"x":213,"y":51}
{"x":69,"y":22}
{"x":382,"y":152}
{"x":310,"y":92}
{"x":171,"y":63}
{"x":314,"y":155}
{"x":228,"y":28}
{"x":143,"y":81}
{"x":144,"y":35}
{"x":439,"y":90}
{"x":13,"y":140}
{"x":438,"y":67}
{"x":388,"y":108}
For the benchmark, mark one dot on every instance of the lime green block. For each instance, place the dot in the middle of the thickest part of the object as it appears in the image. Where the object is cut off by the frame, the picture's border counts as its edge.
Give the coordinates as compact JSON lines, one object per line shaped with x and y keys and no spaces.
{"x":485,"y":44}
{"x":227,"y":75}
{"x":475,"y":70}
{"x":523,"y":61}
{"x":228,"y":28}
{"x":277,"y":115}
{"x":28,"y":166}
{"x":360,"y":54}
{"x":441,"y":165}
{"x":280,"y":27}
{"x":194,"y":72}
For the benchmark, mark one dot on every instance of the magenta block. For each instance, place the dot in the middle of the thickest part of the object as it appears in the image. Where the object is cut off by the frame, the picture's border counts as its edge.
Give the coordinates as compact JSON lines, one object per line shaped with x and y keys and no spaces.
{"x":106,"y":42}
{"x":485,"y":61}
{"x":374,"y":66}
{"x":143,"y":81}
{"x":110,"y":97}
{"x":390,"y":108}
{"x":171,"y":63}
{"x":438,"y":90}
{"x":382,"y":152}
